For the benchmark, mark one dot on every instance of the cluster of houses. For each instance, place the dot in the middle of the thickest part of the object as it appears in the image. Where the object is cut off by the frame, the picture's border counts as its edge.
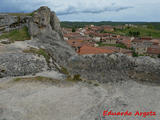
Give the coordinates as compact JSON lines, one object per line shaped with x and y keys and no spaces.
{"x":87,"y":40}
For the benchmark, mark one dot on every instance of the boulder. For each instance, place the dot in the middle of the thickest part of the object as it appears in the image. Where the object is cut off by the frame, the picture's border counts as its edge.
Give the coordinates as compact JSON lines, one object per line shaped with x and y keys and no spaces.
{"x":20,"y":64}
{"x":9,"y":22}
{"x":44,"y":26}
{"x":40,"y":22}
{"x":6,"y":20}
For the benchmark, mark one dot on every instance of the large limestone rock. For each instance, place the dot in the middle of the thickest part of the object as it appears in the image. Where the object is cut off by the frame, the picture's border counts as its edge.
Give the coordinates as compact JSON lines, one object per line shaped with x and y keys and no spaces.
{"x":9,"y":22}
{"x":115,"y":68}
{"x":44,"y":26}
{"x":55,"y":23}
{"x":44,"y":20}
{"x":20,"y":64}
{"x":40,"y":21}
{"x":6,"y":20}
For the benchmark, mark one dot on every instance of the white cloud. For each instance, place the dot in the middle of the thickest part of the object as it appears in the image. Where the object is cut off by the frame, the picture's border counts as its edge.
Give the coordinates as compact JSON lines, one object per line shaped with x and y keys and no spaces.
{"x":97,"y":10}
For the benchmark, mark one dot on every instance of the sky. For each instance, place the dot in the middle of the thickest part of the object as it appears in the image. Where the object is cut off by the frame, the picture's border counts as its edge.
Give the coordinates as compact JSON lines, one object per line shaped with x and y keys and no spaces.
{"x":91,"y":10}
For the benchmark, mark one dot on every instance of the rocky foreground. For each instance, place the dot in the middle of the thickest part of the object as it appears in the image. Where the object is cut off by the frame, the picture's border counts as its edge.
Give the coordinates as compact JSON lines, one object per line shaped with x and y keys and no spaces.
{"x":44,"y":79}
{"x":34,"y":99}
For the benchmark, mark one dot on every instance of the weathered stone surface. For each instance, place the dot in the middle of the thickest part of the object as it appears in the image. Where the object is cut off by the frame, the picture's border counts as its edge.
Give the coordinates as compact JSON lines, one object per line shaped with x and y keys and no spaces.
{"x":115,"y":67}
{"x":18,"y":64}
{"x":8,"y":22}
{"x":55,"y":23}
{"x":45,"y":27}
{"x":40,"y":22}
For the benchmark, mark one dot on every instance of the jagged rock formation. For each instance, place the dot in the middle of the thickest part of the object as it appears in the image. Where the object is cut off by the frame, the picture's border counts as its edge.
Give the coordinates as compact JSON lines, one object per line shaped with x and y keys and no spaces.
{"x":115,"y":67}
{"x":13,"y":64}
{"x":45,"y":26}
{"x":8,"y":22}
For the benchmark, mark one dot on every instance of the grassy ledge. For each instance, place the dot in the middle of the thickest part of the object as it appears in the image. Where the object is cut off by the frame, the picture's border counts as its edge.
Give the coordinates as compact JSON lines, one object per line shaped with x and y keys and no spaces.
{"x":17,"y":35}
{"x":37,"y":79}
{"x":38,"y":52}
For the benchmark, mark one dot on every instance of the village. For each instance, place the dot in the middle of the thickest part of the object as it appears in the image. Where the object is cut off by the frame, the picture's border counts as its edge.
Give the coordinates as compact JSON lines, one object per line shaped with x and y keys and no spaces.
{"x":102,"y":39}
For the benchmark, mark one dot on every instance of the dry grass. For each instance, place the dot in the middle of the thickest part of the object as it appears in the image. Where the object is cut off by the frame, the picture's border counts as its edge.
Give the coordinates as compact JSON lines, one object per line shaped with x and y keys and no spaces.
{"x":41,"y":79}
{"x":75,"y":78}
{"x":64,"y":71}
{"x":20,"y":14}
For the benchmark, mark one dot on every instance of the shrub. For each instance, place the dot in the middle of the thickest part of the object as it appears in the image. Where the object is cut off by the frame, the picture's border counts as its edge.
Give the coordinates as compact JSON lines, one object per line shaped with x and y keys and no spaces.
{"x":77,"y":77}
{"x":96,"y":84}
{"x":159,"y":56}
{"x":64,"y":70}
{"x":134,"y":54}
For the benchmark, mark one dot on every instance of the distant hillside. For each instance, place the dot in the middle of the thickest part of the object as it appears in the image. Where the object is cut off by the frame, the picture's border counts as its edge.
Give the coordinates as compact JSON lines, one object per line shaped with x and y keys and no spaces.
{"x":155,"y":25}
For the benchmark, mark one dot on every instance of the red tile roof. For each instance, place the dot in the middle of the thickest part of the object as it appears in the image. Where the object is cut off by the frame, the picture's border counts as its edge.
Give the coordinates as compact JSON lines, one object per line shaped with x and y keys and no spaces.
{"x":154,"y":50}
{"x":137,"y":40}
{"x":75,"y":43}
{"x":146,"y":38}
{"x":156,"y":41}
{"x":93,"y":50}
{"x":126,"y":42}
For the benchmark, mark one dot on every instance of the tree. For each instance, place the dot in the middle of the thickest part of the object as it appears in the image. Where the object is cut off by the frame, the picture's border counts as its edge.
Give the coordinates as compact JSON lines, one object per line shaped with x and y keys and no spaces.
{"x":150,"y":26}
{"x":135,"y":54}
{"x":73,"y":29}
{"x":159,"y":56}
{"x":130,"y":33}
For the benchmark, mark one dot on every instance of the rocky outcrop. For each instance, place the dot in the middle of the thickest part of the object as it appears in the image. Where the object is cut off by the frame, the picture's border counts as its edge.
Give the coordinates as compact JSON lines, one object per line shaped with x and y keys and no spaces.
{"x":9,"y":22}
{"x":115,"y":67}
{"x":13,"y":64}
{"x":44,"y":26}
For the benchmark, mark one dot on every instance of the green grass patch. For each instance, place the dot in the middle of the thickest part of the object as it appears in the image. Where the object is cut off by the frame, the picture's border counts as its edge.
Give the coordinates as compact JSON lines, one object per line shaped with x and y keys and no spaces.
{"x":38,"y":52}
{"x":142,"y":32}
{"x":17,"y":35}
